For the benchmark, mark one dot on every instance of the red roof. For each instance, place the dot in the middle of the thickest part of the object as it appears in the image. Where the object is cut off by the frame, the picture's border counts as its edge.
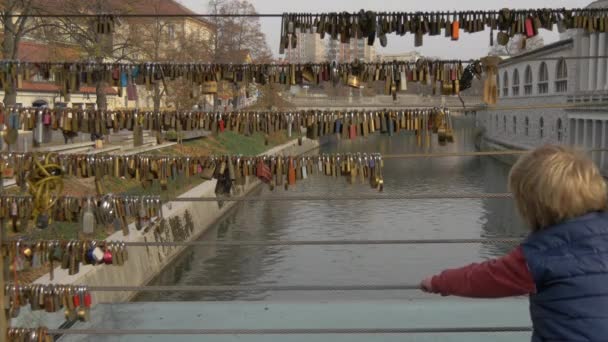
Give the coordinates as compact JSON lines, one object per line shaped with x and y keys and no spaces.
{"x":171,"y":7}
{"x":53,"y":88}
{"x":36,"y":52}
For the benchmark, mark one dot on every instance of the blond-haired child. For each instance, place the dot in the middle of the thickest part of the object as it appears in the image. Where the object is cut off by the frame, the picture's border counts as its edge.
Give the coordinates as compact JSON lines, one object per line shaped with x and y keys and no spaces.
{"x":563,"y":263}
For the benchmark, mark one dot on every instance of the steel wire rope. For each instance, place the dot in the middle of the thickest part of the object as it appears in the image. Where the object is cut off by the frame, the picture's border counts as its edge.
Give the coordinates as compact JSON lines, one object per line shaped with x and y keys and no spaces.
{"x":288,"y":331}
{"x":384,"y":156}
{"x":319,"y":242}
{"x":359,"y":197}
{"x":277,"y":15}
{"x":253,"y":288}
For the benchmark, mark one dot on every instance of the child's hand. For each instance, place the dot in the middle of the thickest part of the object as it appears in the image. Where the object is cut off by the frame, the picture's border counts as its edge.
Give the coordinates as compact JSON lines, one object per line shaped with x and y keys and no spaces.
{"x":426,"y":285}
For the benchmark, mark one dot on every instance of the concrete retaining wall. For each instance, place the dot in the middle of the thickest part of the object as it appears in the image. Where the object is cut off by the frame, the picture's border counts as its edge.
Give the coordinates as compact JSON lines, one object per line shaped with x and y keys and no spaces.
{"x":145,"y":263}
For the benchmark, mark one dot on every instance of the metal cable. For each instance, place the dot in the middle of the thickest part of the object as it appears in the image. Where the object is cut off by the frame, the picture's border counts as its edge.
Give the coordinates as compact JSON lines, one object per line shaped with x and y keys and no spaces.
{"x":320,"y":242}
{"x":314,"y":198}
{"x":345,"y":197}
{"x":468,"y":154}
{"x":389,"y":156}
{"x":252,"y":288}
{"x":279,"y":15}
{"x":453,"y":154}
{"x":288,"y":331}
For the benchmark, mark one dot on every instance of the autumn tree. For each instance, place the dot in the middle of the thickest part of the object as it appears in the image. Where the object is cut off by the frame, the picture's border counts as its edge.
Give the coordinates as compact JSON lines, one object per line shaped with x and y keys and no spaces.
{"x":14,"y":30}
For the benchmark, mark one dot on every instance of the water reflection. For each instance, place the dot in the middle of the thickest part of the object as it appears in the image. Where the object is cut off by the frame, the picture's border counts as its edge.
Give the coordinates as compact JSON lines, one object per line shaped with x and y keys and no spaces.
{"x":355,"y":219}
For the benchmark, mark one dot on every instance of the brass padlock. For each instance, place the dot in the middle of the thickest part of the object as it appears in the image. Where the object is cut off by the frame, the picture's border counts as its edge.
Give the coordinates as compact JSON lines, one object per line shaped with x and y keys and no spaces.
{"x":354,"y":81}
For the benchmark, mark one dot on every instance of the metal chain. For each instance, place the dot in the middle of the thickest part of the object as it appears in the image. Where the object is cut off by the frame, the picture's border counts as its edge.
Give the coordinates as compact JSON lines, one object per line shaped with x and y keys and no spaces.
{"x":289,"y":331}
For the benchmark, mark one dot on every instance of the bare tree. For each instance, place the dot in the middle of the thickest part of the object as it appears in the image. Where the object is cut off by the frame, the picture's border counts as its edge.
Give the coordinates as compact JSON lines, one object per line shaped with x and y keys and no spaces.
{"x":518,"y":44}
{"x":161,"y":39}
{"x":16,"y":28}
{"x":238,"y":33}
{"x":97,"y":46}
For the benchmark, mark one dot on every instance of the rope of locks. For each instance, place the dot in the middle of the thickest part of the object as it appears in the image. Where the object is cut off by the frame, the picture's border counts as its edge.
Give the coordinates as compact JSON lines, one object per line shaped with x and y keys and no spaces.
{"x":371,"y":25}
{"x":43,"y":176}
{"x":346,"y":124}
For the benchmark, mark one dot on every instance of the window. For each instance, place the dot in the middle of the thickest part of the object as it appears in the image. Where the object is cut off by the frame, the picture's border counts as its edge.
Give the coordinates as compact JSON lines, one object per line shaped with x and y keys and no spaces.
{"x":560,"y":133}
{"x":505,"y":85}
{"x":541,"y":127}
{"x":171,"y":32}
{"x":496,"y":121}
{"x":528,"y":81}
{"x":543,"y":79}
{"x":515,"y":91}
{"x":498,"y":84}
{"x":504,"y":124}
{"x":527,"y":126}
{"x":514,"y":124}
{"x":561,"y":77}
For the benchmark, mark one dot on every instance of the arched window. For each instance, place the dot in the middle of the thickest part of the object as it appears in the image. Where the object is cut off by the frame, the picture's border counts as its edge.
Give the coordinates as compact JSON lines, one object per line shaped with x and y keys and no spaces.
{"x":527,"y":126}
{"x":514,"y":124}
{"x":543,"y":79}
{"x":504,"y":124}
{"x":515,"y":91}
{"x":560,"y":132}
{"x":561,"y":77}
{"x":505,"y":85}
{"x":528,"y":81}
{"x":541,"y":127}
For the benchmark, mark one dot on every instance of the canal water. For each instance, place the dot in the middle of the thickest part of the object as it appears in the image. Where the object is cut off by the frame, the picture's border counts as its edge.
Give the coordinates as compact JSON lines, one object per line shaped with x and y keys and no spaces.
{"x":355,"y":219}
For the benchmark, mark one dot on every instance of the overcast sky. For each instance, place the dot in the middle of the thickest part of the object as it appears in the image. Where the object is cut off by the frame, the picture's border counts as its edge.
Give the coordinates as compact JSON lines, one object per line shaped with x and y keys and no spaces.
{"x":469,"y":46}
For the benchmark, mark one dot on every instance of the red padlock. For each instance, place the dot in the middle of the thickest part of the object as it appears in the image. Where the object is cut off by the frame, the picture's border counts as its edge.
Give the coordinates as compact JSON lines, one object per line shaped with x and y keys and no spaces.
{"x":107,"y":257}
{"x":87,"y":299}
{"x":76,"y":300}
{"x":529,"y":28}
{"x":222,"y":125}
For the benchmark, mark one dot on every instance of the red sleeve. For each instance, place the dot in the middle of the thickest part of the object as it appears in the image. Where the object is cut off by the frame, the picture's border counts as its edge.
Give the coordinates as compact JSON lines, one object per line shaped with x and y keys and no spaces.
{"x":502,"y":277}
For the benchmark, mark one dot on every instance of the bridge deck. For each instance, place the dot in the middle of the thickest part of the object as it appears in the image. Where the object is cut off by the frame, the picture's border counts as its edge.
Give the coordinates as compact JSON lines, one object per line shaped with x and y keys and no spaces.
{"x":421,"y":313}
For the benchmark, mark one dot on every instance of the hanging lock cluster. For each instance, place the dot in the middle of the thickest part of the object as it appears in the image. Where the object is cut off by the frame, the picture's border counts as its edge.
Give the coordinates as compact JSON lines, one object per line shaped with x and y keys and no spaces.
{"x":317,"y":123}
{"x":350,"y":125}
{"x":103,"y":210}
{"x":74,"y":300}
{"x":24,"y":255}
{"x":286,"y":171}
{"x":370,"y":25}
{"x":29,"y":334}
{"x":204,"y":78}
{"x":149,"y":168}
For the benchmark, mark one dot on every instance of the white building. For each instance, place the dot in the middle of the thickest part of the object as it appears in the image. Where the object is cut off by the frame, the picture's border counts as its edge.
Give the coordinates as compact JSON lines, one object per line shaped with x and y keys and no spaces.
{"x":310,"y":48}
{"x":355,"y":49}
{"x":577,"y":89}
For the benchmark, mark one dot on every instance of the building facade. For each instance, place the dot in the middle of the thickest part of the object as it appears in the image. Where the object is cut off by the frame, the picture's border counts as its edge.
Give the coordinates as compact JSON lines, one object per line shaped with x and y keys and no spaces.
{"x":309,"y":49}
{"x":553,"y":96}
{"x":346,"y":53}
{"x":164,"y":39}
